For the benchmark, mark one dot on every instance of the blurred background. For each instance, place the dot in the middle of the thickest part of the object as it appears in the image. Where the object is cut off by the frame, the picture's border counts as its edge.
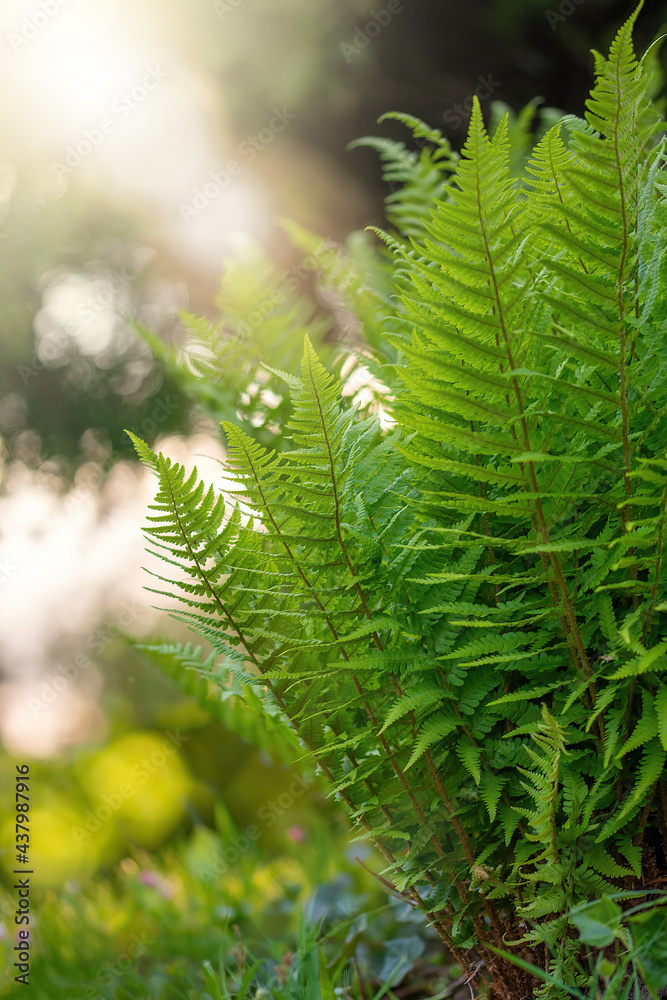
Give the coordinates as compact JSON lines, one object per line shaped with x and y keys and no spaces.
{"x":146,"y":150}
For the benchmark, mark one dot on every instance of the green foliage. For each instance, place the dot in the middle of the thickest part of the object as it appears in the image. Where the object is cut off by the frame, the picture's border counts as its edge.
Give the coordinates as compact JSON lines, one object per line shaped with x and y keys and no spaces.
{"x":638,"y":938}
{"x":338,"y":296}
{"x":224,"y":691}
{"x":265,"y":314}
{"x":462,"y":617}
{"x":422,"y":176}
{"x":260,"y":928}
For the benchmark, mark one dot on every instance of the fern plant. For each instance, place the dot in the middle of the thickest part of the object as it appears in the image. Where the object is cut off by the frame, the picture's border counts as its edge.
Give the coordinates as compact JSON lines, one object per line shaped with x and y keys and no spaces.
{"x":462,"y":617}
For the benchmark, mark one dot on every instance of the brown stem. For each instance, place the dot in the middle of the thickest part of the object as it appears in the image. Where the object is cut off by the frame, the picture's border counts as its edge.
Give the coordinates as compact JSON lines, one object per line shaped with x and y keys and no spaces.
{"x":663,"y":811}
{"x":658,"y":567}
{"x":574,"y":635}
{"x":638,"y":838}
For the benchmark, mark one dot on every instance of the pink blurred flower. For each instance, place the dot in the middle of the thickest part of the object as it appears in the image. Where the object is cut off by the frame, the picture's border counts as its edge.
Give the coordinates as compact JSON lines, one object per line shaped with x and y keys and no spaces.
{"x":296,"y":834}
{"x":155,"y":881}
{"x":147,"y":877}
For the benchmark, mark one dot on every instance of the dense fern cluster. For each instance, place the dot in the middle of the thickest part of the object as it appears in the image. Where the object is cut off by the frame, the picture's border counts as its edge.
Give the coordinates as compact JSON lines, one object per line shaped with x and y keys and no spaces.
{"x":464,"y":617}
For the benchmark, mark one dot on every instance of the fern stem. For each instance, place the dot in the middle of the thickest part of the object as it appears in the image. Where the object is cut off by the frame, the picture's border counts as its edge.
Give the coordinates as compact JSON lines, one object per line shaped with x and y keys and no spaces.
{"x":383,"y":741}
{"x":442,"y":931}
{"x":334,"y":486}
{"x":485,"y":519}
{"x":398,"y":771}
{"x":638,"y":838}
{"x":658,"y":567}
{"x":371,"y":788}
{"x":334,"y":632}
{"x":626,"y":510}
{"x":327,"y":619}
{"x":534,"y":487}
{"x":663,"y":810}
{"x":453,"y":819}
{"x":422,"y":817}
{"x":465,"y":843}
{"x":444,"y":934}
